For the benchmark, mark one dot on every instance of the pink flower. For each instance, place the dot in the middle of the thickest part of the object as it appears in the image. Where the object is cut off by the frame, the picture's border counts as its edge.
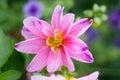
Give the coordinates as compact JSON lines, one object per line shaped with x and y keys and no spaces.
{"x":55,"y":45}
{"x":52,"y":77}
{"x":93,"y":76}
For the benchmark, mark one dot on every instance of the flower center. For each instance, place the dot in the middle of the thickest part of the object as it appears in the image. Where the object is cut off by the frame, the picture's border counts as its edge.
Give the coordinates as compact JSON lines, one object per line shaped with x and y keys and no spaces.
{"x":55,"y":41}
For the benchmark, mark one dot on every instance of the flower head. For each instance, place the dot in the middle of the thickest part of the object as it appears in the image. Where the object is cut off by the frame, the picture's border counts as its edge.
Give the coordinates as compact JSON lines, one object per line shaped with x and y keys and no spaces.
{"x":114,"y":19}
{"x":33,"y":8}
{"x":55,"y":44}
{"x":93,"y":76}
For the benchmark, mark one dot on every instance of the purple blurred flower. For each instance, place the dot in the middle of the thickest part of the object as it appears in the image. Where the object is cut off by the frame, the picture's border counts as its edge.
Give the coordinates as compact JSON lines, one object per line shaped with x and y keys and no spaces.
{"x":33,"y":8}
{"x":91,"y":35}
{"x":117,"y":41}
{"x":114,"y":19}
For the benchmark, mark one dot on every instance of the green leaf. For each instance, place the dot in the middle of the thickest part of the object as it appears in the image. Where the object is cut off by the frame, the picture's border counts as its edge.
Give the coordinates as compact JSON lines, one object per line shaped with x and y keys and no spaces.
{"x":103,"y":8}
{"x":10,"y":75}
{"x":88,"y":13}
{"x":5,"y":48}
{"x":96,"y":7}
{"x":15,"y":62}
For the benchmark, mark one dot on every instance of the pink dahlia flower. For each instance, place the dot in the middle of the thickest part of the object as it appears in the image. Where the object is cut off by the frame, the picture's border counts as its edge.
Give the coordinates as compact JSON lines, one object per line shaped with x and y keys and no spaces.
{"x":55,"y":44}
{"x":93,"y":76}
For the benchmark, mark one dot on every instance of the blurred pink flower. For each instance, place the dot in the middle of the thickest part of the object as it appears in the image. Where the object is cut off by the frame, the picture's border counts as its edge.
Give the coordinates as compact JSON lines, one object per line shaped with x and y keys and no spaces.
{"x":55,"y":44}
{"x":52,"y":77}
{"x":93,"y":76}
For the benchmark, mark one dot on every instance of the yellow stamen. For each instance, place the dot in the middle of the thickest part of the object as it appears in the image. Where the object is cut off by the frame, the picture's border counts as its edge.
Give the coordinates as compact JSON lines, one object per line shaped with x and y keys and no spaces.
{"x":55,"y":41}
{"x":71,"y":79}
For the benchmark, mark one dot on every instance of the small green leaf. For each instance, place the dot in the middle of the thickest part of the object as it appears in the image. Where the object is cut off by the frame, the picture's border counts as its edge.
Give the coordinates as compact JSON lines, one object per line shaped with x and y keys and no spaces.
{"x":96,"y":7}
{"x":104,"y":17}
{"x":88,"y":13}
{"x":103,"y":8}
{"x":97,"y":20}
{"x":10,"y":75}
{"x":5,"y":48}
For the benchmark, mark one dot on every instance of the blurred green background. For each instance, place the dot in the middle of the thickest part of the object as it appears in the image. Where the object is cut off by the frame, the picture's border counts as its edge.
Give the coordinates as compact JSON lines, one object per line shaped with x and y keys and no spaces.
{"x":105,"y":43}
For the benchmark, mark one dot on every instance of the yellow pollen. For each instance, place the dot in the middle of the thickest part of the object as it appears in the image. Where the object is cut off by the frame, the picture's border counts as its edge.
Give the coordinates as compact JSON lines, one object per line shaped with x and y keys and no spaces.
{"x":55,"y":41}
{"x":71,"y":79}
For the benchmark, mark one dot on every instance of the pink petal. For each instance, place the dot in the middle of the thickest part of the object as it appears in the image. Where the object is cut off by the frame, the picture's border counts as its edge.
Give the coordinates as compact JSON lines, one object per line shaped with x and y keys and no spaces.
{"x":67,"y":60}
{"x":30,"y":46}
{"x":74,"y":44}
{"x":93,"y":76}
{"x":35,"y":25}
{"x":67,"y":22}
{"x":57,"y":16}
{"x":78,"y":49}
{"x":84,"y":56}
{"x":47,"y":31}
{"x":27,"y":34}
{"x":80,"y":27}
{"x":39,"y":61}
{"x":54,"y":61}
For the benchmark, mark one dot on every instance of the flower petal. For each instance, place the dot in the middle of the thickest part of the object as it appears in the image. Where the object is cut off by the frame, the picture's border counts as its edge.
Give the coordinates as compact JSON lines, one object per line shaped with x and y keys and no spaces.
{"x":54,"y":61}
{"x":39,"y":61}
{"x":47,"y":31}
{"x":84,"y":56}
{"x":27,"y":34}
{"x":66,"y":60}
{"x":74,"y":44}
{"x":56,"y":17}
{"x":80,"y":27}
{"x":39,"y":77}
{"x":78,"y":49}
{"x":66,"y":22}
{"x":35,"y":25}
{"x":30,"y":46}
{"x":93,"y":76}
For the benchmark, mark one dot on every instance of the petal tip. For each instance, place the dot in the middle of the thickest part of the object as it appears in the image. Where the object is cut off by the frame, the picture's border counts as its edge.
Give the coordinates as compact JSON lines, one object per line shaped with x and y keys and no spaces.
{"x":16,"y":46}
{"x":91,"y":21}
{"x":97,"y":72}
{"x":92,"y":61}
{"x":51,"y":70}
{"x":89,"y":58}
{"x":84,"y":48}
{"x":25,"y":29}
{"x":72,"y":70}
{"x":83,"y":21}
{"x":58,"y":6}
{"x":29,"y":69}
